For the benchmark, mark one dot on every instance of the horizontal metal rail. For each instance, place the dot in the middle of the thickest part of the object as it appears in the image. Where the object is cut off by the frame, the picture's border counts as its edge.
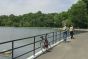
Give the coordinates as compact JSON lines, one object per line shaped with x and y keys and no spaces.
{"x":34,"y":43}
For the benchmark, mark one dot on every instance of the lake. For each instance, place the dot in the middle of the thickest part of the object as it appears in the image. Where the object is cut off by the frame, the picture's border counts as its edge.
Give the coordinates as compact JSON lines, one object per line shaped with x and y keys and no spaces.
{"x":13,"y":33}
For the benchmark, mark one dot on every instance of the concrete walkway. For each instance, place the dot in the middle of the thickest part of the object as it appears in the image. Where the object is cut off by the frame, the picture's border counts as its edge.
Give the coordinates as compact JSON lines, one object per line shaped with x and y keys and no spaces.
{"x":76,"y":49}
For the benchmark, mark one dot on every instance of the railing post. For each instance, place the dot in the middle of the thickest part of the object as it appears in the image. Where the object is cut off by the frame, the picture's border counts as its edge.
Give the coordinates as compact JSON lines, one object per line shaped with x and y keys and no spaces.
{"x":56,"y":37}
{"x":34,"y":48}
{"x":60,"y":35}
{"x":46,"y":36}
{"x":53,"y":37}
{"x":12,"y":49}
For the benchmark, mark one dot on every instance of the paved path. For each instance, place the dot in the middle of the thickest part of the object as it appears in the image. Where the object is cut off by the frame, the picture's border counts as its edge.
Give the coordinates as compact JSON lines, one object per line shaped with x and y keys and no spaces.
{"x":76,"y":49}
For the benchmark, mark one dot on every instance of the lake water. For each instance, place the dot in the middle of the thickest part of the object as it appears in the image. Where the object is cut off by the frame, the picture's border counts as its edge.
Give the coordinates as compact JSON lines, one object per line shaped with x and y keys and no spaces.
{"x":13,"y":33}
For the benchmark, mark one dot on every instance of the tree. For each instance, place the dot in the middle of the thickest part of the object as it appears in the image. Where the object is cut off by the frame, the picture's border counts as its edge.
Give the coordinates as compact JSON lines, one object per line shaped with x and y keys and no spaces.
{"x":78,"y":14}
{"x":86,"y":2}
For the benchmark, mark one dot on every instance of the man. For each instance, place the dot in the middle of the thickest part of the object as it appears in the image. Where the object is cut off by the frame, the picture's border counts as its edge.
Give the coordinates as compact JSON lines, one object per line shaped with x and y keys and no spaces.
{"x":65,"y":33}
{"x":71,"y":29}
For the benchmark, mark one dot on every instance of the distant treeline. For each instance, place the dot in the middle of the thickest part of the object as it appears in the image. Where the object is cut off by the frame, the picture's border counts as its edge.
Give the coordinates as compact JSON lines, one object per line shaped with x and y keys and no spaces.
{"x":77,"y":15}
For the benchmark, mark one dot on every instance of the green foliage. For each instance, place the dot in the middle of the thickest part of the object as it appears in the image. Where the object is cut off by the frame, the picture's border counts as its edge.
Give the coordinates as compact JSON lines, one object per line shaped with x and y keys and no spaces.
{"x":77,"y":15}
{"x":86,"y":2}
{"x":59,"y":18}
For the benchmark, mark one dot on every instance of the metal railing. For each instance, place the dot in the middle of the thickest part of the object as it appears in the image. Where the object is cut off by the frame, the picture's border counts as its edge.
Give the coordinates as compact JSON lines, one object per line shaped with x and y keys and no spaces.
{"x":52,"y":37}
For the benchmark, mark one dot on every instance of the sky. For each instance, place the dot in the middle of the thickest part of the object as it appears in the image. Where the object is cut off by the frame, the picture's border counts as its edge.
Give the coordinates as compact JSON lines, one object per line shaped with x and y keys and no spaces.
{"x":19,"y":7}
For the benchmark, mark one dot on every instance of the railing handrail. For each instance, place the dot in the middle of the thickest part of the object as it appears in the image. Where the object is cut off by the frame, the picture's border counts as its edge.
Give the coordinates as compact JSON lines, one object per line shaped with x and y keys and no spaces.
{"x":23,"y":38}
{"x":13,"y":48}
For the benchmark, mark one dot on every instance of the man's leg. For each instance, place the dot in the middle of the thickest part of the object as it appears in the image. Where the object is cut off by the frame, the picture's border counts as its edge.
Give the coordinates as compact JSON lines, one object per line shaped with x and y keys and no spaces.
{"x":65,"y":36}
